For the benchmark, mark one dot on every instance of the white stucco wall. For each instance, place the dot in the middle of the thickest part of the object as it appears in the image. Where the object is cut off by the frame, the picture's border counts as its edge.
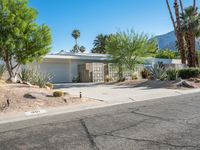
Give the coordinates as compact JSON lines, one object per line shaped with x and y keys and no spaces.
{"x":58,"y":68}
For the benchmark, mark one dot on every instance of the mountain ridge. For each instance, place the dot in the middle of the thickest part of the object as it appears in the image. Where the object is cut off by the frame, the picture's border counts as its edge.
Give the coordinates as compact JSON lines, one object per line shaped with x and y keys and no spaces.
{"x":168,"y":41}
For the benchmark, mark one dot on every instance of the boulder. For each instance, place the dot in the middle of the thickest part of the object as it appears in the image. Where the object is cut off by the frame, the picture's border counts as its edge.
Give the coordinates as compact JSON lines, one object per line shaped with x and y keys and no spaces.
{"x":35,"y":95}
{"x":185,"y":84}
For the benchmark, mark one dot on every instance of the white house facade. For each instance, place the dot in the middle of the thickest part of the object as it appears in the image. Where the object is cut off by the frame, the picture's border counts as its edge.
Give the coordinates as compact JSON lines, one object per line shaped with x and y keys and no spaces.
{"x":64,"y":67}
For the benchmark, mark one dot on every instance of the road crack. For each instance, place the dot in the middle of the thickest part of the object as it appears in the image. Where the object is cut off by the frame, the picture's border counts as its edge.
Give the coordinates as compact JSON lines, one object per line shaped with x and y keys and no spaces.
{"x":120,"y":129}
{"x":90,"y":137}
{"x":155,"y":142}
{"x":150,"y":116}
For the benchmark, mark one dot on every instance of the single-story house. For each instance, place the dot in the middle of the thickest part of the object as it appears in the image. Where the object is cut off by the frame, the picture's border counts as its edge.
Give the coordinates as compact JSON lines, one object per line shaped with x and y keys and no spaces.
{"x":64,"y":66}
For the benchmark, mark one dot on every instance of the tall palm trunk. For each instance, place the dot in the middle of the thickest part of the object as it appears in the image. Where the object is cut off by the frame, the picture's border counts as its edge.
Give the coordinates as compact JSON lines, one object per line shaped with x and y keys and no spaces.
{"x":194,"y":3}
{"x":190,"y":39}
{"x":177,"y":30}
{"x":179,"y":33}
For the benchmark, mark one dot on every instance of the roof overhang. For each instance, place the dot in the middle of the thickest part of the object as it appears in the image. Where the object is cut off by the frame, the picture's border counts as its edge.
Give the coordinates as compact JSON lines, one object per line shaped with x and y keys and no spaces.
{"x":97,"y":57}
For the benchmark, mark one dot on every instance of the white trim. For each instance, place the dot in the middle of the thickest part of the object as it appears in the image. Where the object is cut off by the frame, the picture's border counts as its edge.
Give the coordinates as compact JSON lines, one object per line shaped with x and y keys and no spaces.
{"x":79,"y":56}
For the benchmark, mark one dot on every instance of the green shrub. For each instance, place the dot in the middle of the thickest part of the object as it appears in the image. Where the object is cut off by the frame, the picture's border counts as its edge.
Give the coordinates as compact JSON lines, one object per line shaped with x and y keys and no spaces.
{"x":134,"y":77}
{"x":189,"y":73}
{"x":50,"y":85}
{"x":2,"y":70}
{"x":172,"y":74}
{"x":145,"y":74}
{"x":158,"y":72}
{"x":76,"y":79}
{"x":108,"y":78}
{"x":58,"y":93}
{"x":42,"y":80}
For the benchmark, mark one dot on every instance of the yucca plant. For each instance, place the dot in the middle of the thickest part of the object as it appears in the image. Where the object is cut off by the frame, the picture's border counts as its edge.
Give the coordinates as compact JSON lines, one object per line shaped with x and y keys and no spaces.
{"x":172,"y":74}
{"x":35,"y":77}
{"x":26,"y":74}
{"x":2,"y":70}
{"x":158,"y":72}
{"x":42,"y":79}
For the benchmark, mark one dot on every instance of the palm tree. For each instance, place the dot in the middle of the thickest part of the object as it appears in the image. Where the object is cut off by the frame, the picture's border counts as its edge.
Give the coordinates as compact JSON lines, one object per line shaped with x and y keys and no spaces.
{"x":190,"y":26}
{"x":75,"y":49}
{"x":177,"y":28}
{"x":99,"y":44}
{"x":76,"y":34}
{"x":82,"y":49}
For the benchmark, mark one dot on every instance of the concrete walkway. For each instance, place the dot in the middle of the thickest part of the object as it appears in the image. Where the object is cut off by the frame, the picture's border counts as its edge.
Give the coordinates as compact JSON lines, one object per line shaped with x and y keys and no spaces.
{"x":113,"y":94}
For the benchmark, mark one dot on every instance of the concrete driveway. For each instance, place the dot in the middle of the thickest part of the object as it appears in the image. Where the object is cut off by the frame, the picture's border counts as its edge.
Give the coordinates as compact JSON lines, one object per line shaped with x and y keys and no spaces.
{"x":114,"y":94}
{"x":165,"y":124}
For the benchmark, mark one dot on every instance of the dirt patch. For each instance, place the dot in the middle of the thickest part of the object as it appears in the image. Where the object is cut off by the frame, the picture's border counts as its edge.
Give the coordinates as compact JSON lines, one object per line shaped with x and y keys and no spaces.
{"x":17,"y":98}
{"x":155,"y":84}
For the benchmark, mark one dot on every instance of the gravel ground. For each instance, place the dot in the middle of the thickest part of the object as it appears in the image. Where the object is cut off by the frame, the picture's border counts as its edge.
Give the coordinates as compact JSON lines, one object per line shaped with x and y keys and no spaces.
{"x":13,"y":98}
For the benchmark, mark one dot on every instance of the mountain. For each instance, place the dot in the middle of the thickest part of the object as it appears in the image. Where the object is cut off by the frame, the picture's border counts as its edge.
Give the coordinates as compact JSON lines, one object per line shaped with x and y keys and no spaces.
{"x":168,"y":40}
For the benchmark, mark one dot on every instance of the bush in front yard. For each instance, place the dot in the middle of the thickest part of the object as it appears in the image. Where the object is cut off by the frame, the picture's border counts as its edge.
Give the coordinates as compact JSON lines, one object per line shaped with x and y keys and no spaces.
{"x":172,"y":74}
{"x":189,"y":73}
{"x":34,"y":76}
{"x":50,"y":85}
{"x":145,"y":74}
{"x":158,"y":72}
{"x":58,"y":93}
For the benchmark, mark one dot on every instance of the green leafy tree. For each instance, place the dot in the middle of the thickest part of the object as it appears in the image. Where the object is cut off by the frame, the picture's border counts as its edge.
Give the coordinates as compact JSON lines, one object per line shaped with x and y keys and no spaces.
{"x":100,"y":44}
{"x":82,"y":49}
{"x":166,"y":54}
{"x":128,"y":48}
{"x":76,"y":34}
{"x":22,"y":41}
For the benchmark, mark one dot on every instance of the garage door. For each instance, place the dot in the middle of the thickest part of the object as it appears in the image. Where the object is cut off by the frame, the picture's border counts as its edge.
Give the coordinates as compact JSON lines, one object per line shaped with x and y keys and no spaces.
{"x":58,"y":70}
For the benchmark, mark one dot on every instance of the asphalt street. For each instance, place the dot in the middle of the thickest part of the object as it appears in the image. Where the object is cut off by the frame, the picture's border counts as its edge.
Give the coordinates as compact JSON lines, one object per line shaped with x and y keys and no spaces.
{"x":164,"y":124}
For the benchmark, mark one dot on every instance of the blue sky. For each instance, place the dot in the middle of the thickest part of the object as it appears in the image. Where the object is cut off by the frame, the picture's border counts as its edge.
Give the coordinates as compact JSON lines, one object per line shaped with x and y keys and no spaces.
{"x":93,"y":17}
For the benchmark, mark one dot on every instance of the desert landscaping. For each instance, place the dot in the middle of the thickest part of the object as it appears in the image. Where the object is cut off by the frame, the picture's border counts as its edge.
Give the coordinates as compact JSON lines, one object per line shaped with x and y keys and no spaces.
{"x":16,"y":98}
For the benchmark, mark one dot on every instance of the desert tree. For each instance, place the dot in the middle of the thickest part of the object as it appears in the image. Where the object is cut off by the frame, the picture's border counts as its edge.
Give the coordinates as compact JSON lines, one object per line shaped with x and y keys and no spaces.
{"x":22,"y":40}
{"x":128,"y":49}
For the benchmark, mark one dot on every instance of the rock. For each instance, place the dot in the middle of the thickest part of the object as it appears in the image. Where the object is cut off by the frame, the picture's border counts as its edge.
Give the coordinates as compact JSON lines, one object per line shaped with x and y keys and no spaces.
{"x":191,"y":79}
{"x":186,"y":84}
{"x":197,"y":81}
{"x":35,"y":95}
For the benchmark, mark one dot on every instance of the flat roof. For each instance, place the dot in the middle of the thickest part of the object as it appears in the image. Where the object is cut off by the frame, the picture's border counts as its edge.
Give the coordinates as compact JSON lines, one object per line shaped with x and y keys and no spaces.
{"x":79,"y":56}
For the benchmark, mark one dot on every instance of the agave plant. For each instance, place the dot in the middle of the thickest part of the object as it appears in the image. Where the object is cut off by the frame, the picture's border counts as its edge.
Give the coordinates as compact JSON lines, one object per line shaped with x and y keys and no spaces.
{"x":172,"y":74}
{"x":158,"y":72}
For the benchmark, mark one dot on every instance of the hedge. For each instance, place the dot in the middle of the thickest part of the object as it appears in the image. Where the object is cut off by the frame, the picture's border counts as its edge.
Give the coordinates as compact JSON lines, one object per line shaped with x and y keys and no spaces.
{"x":189,"y":73}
